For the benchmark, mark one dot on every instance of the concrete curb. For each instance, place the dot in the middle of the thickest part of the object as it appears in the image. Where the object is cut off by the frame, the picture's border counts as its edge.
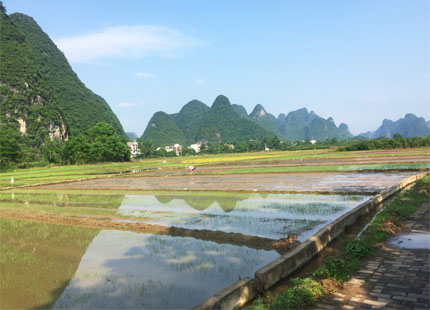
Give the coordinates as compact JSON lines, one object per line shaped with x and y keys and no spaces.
{"x":242,"y":291}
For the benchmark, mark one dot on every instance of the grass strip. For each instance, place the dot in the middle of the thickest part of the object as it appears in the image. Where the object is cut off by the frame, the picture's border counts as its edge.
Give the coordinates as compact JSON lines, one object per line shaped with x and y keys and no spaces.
{"x":303,"y":293}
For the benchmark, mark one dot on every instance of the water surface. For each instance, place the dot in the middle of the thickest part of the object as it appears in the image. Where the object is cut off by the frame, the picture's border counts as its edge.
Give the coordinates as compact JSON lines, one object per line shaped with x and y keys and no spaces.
{"x":268,"y":215}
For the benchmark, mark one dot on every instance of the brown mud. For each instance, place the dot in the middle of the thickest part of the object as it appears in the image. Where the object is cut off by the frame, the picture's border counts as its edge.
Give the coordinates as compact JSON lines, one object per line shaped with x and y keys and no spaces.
{"x":217,"y":236}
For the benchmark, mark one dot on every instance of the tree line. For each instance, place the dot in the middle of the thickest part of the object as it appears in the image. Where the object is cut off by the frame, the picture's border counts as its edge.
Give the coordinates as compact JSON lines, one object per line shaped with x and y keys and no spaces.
{"x":100,"y":143}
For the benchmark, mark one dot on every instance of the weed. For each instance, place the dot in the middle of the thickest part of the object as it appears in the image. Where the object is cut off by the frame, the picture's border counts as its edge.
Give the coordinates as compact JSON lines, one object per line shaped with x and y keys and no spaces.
{"x":358,"y":249}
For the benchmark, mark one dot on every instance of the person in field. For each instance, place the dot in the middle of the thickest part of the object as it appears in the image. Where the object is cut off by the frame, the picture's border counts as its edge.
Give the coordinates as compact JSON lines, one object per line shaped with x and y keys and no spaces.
{"x":191,"y":169}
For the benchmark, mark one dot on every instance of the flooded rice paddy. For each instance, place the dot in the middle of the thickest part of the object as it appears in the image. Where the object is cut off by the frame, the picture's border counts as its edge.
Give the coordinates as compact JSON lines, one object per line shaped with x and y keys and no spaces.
{"x":67,"y":267}
{"x":264,"y":215}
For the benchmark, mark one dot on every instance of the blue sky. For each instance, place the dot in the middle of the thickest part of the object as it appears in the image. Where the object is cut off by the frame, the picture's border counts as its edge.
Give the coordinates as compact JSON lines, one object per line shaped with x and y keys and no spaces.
{"x":356,"y":61}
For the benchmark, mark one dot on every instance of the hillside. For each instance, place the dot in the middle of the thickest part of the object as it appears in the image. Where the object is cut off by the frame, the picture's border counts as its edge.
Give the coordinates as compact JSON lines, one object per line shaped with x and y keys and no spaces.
{"x":223,"y":124}
{"x":41,"y":98}
{"x":198,"y":122}
{"x":409,"y":126}
{"x":301,"y":124}
{"x":27,"y":104}
{"x":162,"y":130}
{"x":190,"y":117}
{"x":264,"y":119}
{"x":81,"y":108}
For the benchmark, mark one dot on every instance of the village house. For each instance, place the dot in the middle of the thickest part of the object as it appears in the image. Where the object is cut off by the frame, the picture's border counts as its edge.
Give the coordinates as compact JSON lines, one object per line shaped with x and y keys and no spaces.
{"x":134,"y":148}
{"x":196,"y":147}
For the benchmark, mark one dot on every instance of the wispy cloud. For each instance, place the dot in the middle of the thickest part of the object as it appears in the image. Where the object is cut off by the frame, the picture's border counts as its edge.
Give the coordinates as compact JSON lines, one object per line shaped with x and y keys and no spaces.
{"x":144,"y":75}
{"x":126,"y":105}
{"x":124,"y":42}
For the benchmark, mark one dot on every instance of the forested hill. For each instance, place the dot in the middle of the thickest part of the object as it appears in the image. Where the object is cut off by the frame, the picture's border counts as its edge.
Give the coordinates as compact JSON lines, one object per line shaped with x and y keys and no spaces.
{"x":197,"y":122}
{"x":225,"y":122}
{"x":39,"y":92}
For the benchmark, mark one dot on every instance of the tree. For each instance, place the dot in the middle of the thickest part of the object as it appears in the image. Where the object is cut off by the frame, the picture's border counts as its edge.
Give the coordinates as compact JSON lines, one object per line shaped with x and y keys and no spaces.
{"x":10,"y":147}
{"x":146,"y":147}
{"x":100,"y":144}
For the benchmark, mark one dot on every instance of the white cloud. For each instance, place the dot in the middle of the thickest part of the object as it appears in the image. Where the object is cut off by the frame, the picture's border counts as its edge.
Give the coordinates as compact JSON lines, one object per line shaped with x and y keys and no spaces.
{"x":126,"y":105}
{"x":200,"y":82}
{"x":144,"y":75}
{"x":124,"y":42}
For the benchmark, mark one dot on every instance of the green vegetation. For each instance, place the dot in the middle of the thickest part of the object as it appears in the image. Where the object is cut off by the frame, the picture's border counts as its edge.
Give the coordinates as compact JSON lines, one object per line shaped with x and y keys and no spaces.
{"x":42,"y":101}
{"x":189,"y":118}
{"x":227,"y":123}
{"x":302,"y":293}
{"x":99,"y":144}
{"x":162,"y":130}
{"x":81,"y":109}
{"x":223,"y":124}
{"x":386,"y":143}
{"x":301,"y":124}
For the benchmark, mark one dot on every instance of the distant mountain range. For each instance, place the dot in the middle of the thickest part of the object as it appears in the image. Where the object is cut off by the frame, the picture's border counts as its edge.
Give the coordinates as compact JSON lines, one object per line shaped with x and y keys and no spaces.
{"x":409,"y":126}
{"x":132,"y":136}
{"x":40,"y":95}
{"x":224,"y":122}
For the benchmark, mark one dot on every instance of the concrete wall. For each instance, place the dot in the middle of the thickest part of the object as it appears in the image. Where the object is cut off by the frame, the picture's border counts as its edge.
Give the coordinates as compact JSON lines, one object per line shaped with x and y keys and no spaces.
{"x":237,"y":294}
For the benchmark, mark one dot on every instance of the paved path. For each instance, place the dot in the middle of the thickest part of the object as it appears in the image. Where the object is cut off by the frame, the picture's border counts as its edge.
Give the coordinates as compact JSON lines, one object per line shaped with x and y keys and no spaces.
{"x":392,"y":279}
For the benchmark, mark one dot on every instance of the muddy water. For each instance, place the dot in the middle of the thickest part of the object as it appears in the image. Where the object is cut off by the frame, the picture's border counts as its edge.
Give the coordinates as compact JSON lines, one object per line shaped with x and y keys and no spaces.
{"x":37,"y":261}
{"x":45,"y":265}
{"x":270,"y":215}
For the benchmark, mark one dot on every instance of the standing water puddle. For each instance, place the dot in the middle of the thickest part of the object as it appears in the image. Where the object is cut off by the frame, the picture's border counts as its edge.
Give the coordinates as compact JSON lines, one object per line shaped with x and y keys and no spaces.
{"x":410,"y":241}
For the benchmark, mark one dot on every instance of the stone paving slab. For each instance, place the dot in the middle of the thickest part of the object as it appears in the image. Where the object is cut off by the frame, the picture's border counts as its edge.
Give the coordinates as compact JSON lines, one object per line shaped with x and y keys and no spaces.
{"x":393,"y":278}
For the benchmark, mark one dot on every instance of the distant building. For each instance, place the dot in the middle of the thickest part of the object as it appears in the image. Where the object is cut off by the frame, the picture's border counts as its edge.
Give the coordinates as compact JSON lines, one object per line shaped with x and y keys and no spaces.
{"x":177,"y":148}
{"x":196,"y":147}
{"x":134,"y":148}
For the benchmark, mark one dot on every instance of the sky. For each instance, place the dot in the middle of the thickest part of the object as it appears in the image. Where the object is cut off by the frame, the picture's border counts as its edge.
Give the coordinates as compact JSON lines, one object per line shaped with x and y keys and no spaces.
{"x":359,"y":62}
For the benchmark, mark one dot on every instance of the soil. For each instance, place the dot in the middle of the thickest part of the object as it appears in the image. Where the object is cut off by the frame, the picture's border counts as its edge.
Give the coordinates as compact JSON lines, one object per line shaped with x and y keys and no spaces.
{"x":327,"y":182}
{"x":104,"y":222}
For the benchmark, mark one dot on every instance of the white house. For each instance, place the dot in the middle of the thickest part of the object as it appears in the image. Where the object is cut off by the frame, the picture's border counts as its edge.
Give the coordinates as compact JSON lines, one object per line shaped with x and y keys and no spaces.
{"x":196,"y":147}
{"x":134,"y":148}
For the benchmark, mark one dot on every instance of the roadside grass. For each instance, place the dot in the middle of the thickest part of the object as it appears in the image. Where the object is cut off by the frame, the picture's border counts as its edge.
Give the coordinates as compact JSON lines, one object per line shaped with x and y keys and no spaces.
{"x":303,"y":293}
